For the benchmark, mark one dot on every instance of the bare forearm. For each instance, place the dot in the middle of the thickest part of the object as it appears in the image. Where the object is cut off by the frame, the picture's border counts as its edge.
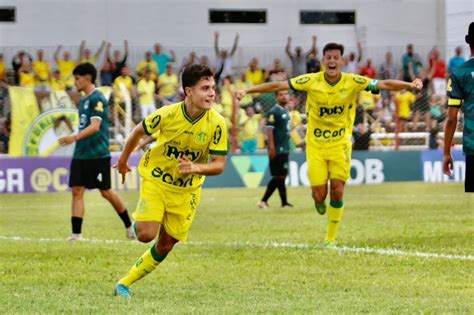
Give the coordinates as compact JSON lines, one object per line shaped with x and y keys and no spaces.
{"x":86,"y":133}
{"x":209,"y":169}
{"x":394,"y":85}
{"x":449,"y":130}
{"x":132,"y":142}
{"x":268,"y":87}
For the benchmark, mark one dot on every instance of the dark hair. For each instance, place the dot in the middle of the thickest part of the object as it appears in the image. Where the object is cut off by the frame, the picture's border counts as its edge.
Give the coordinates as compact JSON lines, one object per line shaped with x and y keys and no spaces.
{"x":192,"y":74}
{"x":333,"y":46}
{"x":470,"y":35}
{"x":86,"y":69}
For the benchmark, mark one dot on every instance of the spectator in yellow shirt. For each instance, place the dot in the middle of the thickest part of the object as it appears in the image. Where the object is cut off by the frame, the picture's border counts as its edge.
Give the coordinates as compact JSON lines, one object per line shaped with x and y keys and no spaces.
{"x":148,"y":63}
{"x":42,"y":70}
{"x":65,"y":67}
{"x":27,"y":76}
{"x":146,"y":94}
{"x":241,"y":84}
{"x":126,"y":81}
{"x":249,"y":130}
{"x":57,"y":84}
{"x":168,"y":85}
{"x":85,"y":54}
{"x":255,"y":74}
{"x":404,"y":100}
{"x":3,"y":70}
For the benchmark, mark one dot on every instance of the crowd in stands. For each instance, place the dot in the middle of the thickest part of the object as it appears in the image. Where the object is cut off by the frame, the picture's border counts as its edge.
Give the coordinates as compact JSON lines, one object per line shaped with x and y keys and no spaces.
{"x":155,"y":82}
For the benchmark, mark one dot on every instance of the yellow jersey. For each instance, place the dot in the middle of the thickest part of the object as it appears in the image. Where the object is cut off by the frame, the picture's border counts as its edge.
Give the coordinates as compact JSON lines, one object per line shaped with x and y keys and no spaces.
{"x":330,"y":108}
{"x":90,"y":60}
{"x":42,"y":69}
{"x":405,"y":99}
{"x":146,"y":92}
{"x":180,"y":136}
{"x":256,"y":77}
{"x":366,"y":100}
{"x":250,"y":127}
{"x":57,"y":85}
{"x":65,"y":68}
{"x":168,"y":84}
{"x":3,"y":71}
{"x":27,"y":79}
{"x":142,"y":65}
{"x":295,"y":119}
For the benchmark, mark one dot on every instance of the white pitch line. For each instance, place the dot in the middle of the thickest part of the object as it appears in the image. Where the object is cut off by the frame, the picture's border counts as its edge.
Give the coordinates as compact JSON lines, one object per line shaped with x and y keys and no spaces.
{"x":367,"y":250}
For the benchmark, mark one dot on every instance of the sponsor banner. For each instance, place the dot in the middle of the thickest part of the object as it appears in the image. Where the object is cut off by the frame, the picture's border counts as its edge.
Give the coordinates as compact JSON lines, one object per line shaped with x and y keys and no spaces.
{"x":432,"y":167}
{"x":20,"y":175}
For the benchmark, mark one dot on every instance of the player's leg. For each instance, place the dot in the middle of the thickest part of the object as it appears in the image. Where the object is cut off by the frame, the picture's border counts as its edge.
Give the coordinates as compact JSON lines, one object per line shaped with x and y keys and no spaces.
{"x":117,"y":202}
{"x":281,"y":173}
{"x":77,"y":184}
{"x":339,"y":170}
{"x":469,"y":174}
{"x":318,"y":177}
{"x":271,"y":186}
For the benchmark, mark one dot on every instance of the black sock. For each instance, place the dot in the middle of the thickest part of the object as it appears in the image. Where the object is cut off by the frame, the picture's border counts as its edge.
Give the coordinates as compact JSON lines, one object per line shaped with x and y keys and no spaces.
{"x":76,"y":223}
{"x":272,"y":185}
{"x":125,"y":218}
{"x":282,"y":191}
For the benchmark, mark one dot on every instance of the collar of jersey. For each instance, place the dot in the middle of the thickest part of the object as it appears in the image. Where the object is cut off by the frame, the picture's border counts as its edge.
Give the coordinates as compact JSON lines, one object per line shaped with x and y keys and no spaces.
{"x":334,"y":83}
{"x":189,"y":118}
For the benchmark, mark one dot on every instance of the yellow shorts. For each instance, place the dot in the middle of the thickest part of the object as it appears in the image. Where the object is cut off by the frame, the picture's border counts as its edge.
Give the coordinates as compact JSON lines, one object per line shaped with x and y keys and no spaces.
{"x":329,"y":163}
{"x":174,"y":210}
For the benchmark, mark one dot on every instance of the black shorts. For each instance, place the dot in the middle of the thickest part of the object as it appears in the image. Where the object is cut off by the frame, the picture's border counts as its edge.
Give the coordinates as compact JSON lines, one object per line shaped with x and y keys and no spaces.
{"x":94,"y":173}
{"x":279,"y":165}
{"x":469,"y":178}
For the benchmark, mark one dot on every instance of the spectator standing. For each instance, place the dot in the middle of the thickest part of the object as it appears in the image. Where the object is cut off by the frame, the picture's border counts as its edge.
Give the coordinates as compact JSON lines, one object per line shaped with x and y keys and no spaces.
{"x":168,"y":85}
{"x":161,"y":58}
{"x":457,"y":60}
{"x":118,"y":62}
{"x":65,"y":67}
{"x":411,"y":63}
{"x":298,"y":59}
{"x":224,"y":58}
{"x":146,"y":88}
{"x":437,"y":73}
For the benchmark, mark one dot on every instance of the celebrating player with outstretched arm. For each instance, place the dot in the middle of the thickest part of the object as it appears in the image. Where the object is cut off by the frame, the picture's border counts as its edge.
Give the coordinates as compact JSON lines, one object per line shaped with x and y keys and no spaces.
{"x":174,"y":170}
{"x":331,"y":112}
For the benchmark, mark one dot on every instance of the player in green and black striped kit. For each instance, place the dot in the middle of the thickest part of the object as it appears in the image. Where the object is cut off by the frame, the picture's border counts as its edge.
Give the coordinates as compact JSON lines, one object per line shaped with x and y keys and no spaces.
{"x":461,"y":93}
{"x":90,"y":165}
{"x":278,"y":130}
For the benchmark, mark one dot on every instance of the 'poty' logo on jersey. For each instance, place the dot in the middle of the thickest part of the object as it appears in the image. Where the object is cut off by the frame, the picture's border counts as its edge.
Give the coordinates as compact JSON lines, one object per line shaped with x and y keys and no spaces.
{"x":173,"y":153}
{"x":328,"y":111}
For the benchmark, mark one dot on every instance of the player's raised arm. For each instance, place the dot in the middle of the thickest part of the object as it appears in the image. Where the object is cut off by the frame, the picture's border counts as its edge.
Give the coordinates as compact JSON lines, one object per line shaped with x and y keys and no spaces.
{"x":132,"y":142}
{"x":397,"y":85}
{"x":263,"y":88}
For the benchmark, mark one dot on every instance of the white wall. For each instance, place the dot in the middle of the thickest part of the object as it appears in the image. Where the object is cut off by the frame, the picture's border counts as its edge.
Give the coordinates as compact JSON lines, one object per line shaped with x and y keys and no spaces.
{"x":459,"y":14}
{"x":183,"y":25}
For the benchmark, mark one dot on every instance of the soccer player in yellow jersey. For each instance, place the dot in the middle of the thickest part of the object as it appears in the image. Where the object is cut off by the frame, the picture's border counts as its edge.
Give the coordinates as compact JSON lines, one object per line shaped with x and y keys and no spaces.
{"x":191,"y":144}
{"x":330,"y":108}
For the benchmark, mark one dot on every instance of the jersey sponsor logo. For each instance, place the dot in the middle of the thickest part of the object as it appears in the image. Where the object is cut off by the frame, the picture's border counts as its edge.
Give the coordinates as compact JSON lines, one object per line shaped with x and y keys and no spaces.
{"x":99,"y":107}
{"x":155,"y":121}
{"x":328,"y":134}
{"x":359,"y":80}
{"x":216,"y":138}
{"x":201,"y":138}
{"x":328,"y":111}
{"x":271,"y":119}
{"x":167,"y":178}
{"x":99,"y":177}
{"x":302,"y":80}
{"x":173,"y":153}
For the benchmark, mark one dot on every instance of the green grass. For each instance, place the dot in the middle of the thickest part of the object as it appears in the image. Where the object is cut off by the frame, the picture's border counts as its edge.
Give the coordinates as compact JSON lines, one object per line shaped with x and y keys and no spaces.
{"x":229,"y":265}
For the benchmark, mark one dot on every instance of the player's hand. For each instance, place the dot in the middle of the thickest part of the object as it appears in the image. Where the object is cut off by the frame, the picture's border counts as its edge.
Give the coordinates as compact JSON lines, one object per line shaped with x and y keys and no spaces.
{"x":67,"y":140}
{"x":240,"y":94}
{"x":123,"y":168}
{"x":186,"y":166}
{"x":448,"y":165}
{"x":417,"y":84}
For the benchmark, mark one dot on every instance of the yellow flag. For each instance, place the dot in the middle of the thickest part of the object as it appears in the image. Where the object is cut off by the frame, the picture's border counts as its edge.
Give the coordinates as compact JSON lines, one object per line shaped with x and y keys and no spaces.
{"x":24,"y":109}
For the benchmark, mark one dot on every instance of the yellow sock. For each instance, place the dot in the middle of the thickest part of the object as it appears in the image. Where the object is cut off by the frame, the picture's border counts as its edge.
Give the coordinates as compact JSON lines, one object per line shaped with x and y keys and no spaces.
{"x":335,"y":210}
{"x":144,"y":265}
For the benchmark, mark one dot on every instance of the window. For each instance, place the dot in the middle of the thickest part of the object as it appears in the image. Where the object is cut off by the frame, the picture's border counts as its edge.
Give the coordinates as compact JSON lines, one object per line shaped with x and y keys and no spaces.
{"x":327,"y":17}
{"x":237,"y":16}
{"x":7,"y":14}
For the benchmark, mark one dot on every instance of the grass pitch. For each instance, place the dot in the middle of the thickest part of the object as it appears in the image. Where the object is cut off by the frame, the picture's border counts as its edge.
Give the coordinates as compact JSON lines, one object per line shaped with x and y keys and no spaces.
{"x":405,"y":248}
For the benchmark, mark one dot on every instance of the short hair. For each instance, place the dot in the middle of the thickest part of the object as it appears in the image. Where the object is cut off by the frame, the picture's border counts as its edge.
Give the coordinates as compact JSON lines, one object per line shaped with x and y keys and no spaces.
{"x":192,"y":74}
{"x":86,"y":68}
{"x":470,"y":35}
{"x":333,"y":46}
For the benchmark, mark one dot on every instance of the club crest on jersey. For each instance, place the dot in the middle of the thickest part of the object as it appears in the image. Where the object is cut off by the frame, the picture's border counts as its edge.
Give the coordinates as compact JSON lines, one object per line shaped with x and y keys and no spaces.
{"x":155,"y":121}
{"x":86,"y":104}
{"x":173,"y":153}
{"x":359,"y":80}
{"x":328,"y":111}
{"x":302,"y":80}
{"x":201,"y":138}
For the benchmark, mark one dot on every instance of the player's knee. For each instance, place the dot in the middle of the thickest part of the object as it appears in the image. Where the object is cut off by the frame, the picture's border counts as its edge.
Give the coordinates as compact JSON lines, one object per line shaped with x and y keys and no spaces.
{"x":106,"y":193}
{"x":318,"y":197}
{"x":337,"y":192}
{"x":145,"y":236}
{"x":77,"y":192}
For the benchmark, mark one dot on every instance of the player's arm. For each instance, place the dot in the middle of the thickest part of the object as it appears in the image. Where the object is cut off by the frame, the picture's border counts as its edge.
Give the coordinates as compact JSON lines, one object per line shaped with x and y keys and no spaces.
{"x":236,"y":44}
{"x":271,"y":142}
{"x":263,"y":88}
{"x":215,"y":167}
{"x":132,"y":142}
{"x":398,"y":85}
{"x":92,"y":129}
{"x":449,"y":129}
